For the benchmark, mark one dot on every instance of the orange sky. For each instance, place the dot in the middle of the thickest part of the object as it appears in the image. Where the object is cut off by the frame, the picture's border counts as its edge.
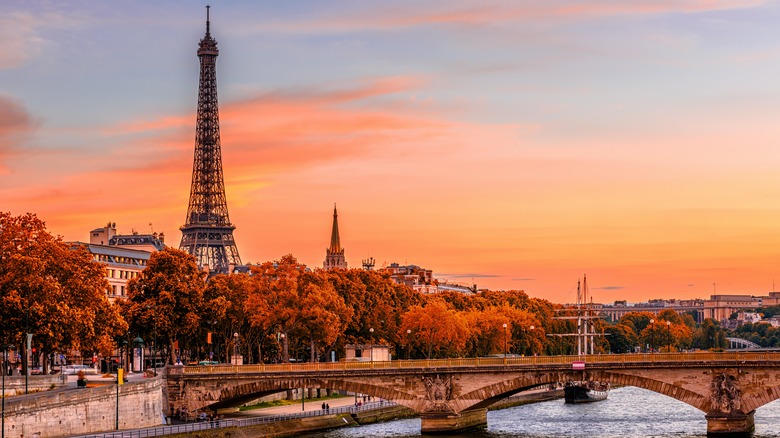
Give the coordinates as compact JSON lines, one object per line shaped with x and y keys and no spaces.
{"x":513,"y":147}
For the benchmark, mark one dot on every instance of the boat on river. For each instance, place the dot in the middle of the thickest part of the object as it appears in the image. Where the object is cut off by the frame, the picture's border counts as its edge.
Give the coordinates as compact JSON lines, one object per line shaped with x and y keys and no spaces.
{"x":585,"y":392}
{"x":585,"y":314}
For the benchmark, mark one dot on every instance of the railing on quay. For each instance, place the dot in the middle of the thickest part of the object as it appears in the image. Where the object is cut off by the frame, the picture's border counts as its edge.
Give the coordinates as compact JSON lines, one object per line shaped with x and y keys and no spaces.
{"x":707,"y":356}
{"x":236,"y":422}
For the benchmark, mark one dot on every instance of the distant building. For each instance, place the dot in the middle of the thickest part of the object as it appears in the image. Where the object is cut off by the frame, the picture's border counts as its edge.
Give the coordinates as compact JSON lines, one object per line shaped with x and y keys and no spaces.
{"x":421,"y":280}
{"x":616,"y":311}
{"x":718,"y":307}
{"x":417,"y":278}
{"x":146,"y":242}
{"x":334,"y":254}
{"x":122,"y":265}
{"x":124,"y":255}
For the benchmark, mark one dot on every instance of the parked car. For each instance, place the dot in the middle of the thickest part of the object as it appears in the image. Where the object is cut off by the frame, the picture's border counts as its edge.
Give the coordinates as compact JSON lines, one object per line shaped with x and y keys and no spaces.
{"x":208,"y":362}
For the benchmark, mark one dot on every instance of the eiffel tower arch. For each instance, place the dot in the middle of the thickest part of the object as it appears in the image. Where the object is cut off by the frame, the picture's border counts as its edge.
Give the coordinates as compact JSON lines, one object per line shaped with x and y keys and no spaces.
{"x":208,"y":233}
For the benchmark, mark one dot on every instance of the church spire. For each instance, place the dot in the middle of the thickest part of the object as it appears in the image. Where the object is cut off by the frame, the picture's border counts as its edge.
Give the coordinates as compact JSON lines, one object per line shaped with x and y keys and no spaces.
{"x":335,"y":242}
{"x":334,"y":255}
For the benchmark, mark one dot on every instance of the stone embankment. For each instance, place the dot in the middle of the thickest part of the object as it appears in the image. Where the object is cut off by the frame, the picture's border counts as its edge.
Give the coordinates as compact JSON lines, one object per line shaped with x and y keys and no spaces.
{"x":67,"y":412}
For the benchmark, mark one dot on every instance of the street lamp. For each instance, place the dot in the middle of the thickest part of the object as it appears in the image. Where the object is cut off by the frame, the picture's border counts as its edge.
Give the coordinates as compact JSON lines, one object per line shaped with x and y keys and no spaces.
{"x":504,"y":342}
{"x":5,"y":370}
{"x":652,"y":335}
{"x":371,"y":351}
{"x":530,"y":341}
{"x":669,"y":334}
{"x":235,"y":349}
{"x":284,"y":348}
{"x":408,"y":344}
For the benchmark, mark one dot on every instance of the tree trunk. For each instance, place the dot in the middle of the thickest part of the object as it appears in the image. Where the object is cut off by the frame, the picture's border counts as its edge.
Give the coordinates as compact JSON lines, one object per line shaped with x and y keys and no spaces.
{"x":313,"y":350}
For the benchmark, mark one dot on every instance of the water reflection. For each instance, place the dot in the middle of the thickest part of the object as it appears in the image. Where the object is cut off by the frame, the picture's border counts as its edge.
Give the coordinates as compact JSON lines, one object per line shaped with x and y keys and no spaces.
{"x":629,"y":412}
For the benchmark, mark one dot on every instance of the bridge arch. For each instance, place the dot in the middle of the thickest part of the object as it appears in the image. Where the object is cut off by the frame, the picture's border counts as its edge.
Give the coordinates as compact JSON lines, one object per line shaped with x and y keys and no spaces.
{"x":741,"y":343}
{"x":494,"y":392}
{"x":235,"y":394}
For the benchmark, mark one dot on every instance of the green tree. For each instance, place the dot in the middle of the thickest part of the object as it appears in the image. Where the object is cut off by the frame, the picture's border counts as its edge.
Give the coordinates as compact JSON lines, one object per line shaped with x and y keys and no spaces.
{"x":621,"y":338}
{"x":709,"y":335}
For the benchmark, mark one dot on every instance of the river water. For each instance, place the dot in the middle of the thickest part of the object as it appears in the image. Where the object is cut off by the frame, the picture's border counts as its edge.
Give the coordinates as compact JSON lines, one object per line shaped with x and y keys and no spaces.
{"x":628,"y":412}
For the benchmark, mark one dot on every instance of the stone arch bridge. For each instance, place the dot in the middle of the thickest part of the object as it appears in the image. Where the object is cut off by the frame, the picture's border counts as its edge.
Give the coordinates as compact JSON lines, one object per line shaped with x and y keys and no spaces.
{"x":453,"y":394}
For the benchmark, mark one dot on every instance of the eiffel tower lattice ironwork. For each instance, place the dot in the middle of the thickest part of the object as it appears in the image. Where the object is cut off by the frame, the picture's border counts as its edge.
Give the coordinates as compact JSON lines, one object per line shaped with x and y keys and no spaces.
{"x":207,"y":233}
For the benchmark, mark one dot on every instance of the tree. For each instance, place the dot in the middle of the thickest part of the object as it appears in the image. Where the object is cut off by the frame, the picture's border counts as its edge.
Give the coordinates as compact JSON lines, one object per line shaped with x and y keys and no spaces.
{"x":436,"y":329}
{"x":53,"y":291}
{"x":225,"y":313}
{"x":166,"y":301}
{"x":710,"y":336}
{"x":323,"y":313}
{"x":621,"y":338}
{"x":272,"y":303}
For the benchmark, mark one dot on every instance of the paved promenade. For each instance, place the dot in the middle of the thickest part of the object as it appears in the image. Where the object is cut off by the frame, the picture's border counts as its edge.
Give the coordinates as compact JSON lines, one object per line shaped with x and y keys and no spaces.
{"x":310,"y":406}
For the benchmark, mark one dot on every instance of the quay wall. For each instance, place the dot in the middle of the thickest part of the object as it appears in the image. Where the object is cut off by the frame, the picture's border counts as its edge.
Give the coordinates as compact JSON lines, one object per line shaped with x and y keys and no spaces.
{"x":86,"y":410}
{"x":14,"y":385}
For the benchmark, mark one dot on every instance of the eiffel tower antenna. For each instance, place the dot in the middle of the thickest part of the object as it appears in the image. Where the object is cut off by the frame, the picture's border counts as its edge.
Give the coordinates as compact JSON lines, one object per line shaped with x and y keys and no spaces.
{"x":207,"y":233}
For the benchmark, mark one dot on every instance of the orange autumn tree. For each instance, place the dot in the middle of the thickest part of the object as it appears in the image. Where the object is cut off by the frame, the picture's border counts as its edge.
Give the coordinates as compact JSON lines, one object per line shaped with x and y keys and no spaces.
{"x":323,"y":313}
{"x":296,"y":302}
{"x":53,"y":291}
{"x":165,"y":302}
{"x":272,"y":302}
{"x":437,"y":329}
{"x":224,"y":314}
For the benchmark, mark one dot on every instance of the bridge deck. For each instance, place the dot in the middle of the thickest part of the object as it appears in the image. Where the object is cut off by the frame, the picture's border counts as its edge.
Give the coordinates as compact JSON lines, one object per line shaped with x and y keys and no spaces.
{"x":661,"y":359}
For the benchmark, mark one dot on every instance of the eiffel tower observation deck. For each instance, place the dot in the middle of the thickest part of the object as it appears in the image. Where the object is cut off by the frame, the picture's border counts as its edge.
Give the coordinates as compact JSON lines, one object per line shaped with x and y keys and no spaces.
{"x":207,"y":233}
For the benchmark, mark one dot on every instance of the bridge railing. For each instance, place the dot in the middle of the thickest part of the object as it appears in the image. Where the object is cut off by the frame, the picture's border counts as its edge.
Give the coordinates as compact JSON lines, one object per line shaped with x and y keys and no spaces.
{"x":484,"y":361}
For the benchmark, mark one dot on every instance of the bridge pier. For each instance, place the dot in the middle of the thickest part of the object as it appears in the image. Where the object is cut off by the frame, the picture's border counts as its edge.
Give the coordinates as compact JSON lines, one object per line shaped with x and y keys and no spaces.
{"x":442,"y":422}
{"x":737,"y":425}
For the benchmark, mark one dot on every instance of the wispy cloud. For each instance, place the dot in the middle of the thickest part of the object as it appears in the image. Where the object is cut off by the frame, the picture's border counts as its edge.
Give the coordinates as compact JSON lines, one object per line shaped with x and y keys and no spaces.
{"x":15,"y":121}
{"x":608,"y":288}
{"x":480,"y":14}
{"x":471,"y":275}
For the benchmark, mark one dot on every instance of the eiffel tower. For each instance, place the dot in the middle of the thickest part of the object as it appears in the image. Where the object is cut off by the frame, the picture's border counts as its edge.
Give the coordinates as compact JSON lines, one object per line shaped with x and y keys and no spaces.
{"x":207,"y":233}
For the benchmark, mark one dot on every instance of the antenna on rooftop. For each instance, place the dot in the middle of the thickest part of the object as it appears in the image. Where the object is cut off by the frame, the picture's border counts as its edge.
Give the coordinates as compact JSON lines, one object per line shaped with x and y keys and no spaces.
{"x":369,"y":263}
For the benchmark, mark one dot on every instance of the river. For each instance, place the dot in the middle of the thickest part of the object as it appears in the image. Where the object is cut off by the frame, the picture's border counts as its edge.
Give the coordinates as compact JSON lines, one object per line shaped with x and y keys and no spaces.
{"x":628,"y":412}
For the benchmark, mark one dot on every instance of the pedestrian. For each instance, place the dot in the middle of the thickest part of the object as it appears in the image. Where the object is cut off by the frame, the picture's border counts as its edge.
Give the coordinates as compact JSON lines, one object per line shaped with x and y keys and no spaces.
{"x":323,"y":406}
{"x":327,"y":407}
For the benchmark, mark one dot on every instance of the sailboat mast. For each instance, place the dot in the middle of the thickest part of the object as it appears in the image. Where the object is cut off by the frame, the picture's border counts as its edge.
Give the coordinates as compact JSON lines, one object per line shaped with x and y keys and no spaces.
{"x":579,"y":319}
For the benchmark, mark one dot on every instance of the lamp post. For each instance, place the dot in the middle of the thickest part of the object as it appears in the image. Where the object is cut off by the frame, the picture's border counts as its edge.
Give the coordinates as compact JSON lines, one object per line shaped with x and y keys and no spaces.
{"x":154,"y":341}
{"x":652,"y":335}
{"x":284,"y":347}
{"x":235,"y":349}
{"x":27,"y":362}
{"x":530,"y":343}
{"x":371,"y":351}
{"x":669,"y":334}
{"x":504,"y":342}
{"x":408,"y":344}
{"x":5,"y":370}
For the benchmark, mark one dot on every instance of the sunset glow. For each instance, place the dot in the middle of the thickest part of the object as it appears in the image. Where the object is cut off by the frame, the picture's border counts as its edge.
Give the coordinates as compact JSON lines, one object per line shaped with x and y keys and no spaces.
{"x":515,"y":147}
